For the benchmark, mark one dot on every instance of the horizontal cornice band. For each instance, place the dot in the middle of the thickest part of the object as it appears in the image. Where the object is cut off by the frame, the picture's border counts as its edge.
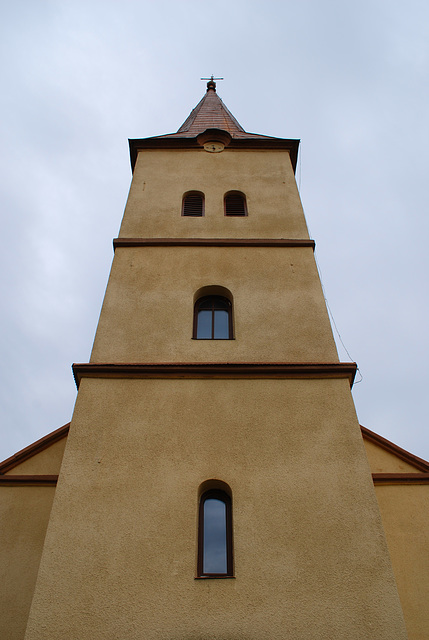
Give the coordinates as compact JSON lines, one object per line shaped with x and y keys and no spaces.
{"x":51,"y":480}
{"x":400,"y":478}
{"x":211,"y":242}
{"x":28,"y":481}
{"x":216,"y":370}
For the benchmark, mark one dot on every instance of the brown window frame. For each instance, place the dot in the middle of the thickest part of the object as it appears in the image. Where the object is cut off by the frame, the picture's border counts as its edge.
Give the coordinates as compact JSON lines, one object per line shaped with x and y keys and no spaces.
{"x":193,"y":194}
{"x":197,"y":309}
{"x":243,"y":201}
{"x":226,"y":499}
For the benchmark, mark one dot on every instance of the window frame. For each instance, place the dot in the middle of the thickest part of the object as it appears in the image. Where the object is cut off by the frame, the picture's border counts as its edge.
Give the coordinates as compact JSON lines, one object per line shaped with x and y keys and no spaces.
{"x":243,"y":199}
{"x":198,"y":302}
{"x":193,"y":215}
{"x":224,"y":497}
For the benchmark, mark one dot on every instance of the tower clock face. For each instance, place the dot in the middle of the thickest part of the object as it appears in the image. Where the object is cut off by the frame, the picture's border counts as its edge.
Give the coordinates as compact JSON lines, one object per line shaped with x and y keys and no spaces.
{"x":214,"y":147}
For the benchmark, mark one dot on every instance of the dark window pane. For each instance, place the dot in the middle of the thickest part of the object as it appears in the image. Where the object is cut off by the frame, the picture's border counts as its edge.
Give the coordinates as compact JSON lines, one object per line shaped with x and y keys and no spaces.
{"x":221,"y":303}
{"x":221,"y":325}
{"x":214,"y":552}
{"x":204,"y":324}
{"x":206,"y":304}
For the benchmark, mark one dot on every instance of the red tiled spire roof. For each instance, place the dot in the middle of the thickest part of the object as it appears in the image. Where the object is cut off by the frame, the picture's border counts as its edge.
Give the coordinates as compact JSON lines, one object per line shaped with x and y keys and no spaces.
{"x":211,"y":113}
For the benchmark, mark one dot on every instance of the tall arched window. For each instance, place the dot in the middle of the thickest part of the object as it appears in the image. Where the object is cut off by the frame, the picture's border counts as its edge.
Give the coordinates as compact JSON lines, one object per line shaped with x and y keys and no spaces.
{"x":213,"y":318}
{"x":235,"y":204}
{"x":193,"y":204}
{"x":215,"y":535}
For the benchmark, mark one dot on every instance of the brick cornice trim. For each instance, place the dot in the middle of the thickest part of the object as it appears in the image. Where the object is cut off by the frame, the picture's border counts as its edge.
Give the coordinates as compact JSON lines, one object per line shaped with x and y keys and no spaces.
{"x":212,"y":242}
{"x":216,"y":370}
{"x":400,"y":478}
{"x":28,"y":481}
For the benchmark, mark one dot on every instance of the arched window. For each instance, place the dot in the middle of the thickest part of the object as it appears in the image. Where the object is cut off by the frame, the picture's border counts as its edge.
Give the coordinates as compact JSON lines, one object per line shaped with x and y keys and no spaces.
{"x":213,"y":318}
{"x":235,"y":204}
{"x":215,"y":535}
{"x":193,"y":204}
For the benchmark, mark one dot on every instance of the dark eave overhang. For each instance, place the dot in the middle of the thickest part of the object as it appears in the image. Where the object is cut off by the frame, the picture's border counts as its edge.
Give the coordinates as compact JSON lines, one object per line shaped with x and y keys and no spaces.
{"x":231,"y":370}
{"x":192,"y":143}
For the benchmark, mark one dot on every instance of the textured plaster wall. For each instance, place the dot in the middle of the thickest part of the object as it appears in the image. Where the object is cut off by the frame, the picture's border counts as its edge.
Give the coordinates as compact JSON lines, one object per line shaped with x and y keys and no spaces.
{"x":24,"y":514}
{"x":279,"y":310}
{"x":382,"y":461}
{"x":405,"y":514}
{"x":120,"y":553}
{"x":162,"y":177}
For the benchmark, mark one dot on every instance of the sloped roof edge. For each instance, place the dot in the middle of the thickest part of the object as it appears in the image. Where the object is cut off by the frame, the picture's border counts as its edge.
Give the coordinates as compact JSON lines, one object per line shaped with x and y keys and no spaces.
{"x":394,"y":449}
{"x":33,"y":449}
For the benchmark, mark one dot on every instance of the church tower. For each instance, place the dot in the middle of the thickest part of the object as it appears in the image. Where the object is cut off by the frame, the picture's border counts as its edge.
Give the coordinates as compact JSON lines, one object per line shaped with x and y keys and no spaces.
{"x":214,"y":483}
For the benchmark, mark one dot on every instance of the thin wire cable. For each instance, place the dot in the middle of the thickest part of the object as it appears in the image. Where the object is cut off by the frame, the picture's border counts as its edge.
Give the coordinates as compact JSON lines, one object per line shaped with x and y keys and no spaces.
{"x":333,"y":320}
{"x":320,"y":274}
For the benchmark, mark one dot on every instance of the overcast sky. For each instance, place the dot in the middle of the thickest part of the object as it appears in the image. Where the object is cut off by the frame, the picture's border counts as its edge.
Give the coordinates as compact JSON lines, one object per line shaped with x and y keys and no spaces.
{"x":80,"y":78}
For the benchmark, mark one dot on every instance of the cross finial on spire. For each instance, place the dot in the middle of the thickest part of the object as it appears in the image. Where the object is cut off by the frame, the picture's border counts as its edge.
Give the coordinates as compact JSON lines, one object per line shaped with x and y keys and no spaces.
{"x":211,"y":84}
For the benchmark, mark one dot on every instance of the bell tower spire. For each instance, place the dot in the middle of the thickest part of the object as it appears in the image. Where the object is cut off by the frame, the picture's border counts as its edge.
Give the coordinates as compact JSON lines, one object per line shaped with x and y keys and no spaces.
{"x":214,"y":483}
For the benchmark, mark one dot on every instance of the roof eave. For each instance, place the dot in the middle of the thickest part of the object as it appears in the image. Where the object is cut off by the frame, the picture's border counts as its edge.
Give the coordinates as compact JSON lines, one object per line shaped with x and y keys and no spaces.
{"x":191,"y":143}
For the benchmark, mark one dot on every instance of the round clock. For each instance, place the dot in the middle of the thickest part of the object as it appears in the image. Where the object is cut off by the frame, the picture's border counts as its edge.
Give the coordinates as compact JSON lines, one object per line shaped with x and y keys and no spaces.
{"x":214,"y":147}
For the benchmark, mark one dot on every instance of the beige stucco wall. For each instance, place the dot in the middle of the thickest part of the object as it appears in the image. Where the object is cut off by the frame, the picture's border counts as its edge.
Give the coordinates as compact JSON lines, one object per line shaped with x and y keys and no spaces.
{"x":24,"y":514}
{"x":161,"y":177}
{"x":120,"y":553}
{"x":382,"y":461}
{"x":405,"y":514}
{"x":278,"y":305}
{"x":279,"y":310}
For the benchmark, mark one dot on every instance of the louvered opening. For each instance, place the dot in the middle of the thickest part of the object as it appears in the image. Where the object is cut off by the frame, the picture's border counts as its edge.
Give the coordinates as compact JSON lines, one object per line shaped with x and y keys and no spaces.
{"x":193,"y":204}
{"x":235,"y":204}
